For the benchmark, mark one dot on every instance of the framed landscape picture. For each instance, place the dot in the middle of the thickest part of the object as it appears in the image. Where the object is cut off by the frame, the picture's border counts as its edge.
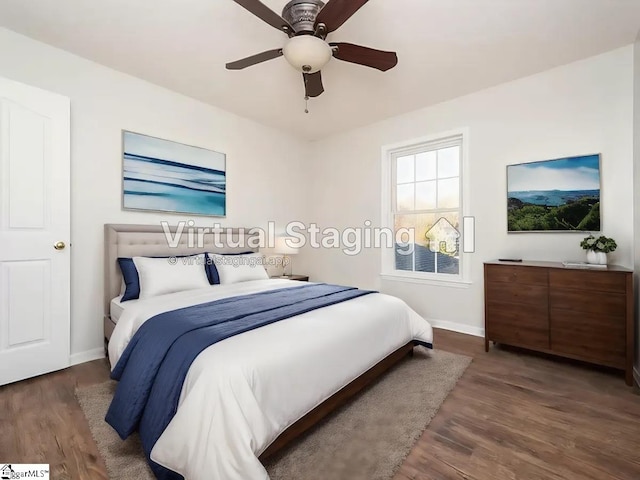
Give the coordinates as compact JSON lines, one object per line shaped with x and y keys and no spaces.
{"x":166,"y":176}
{"x":554,"y":195}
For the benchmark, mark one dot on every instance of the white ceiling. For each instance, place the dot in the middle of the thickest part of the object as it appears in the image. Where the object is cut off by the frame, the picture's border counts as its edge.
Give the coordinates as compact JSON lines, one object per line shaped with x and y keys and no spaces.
{"x":446,"y":48}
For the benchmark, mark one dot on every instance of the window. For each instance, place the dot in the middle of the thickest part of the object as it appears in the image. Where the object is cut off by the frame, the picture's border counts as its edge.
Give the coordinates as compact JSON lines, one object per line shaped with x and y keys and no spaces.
{"x":423,"y":206}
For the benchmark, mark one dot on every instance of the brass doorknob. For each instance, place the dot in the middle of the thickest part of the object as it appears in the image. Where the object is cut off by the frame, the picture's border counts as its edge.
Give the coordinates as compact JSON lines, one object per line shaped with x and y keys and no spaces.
{"x":59,"y":245}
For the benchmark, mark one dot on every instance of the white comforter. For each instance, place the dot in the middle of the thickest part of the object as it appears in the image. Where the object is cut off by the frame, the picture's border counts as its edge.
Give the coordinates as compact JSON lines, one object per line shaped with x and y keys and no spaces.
{"x":241,"y":393}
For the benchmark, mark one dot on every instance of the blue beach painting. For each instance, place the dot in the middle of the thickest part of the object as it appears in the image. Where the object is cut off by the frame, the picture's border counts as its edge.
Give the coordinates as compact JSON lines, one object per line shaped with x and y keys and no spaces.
{"x":554,"y":195}
{"x":162,"y":175}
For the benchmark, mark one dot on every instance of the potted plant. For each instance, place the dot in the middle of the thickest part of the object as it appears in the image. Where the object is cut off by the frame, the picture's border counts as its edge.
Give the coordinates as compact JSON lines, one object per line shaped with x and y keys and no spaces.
{"x":597,"y":248}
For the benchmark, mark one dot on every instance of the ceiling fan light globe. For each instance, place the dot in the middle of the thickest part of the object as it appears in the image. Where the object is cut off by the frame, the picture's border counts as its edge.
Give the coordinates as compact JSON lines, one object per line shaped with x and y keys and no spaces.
{"x":307,"y":54}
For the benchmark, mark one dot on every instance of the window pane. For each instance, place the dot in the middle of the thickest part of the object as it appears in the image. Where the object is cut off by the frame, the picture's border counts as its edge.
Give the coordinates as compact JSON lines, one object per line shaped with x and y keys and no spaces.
{"x":405,"y":169}
{"x":425,"y":195}
{"x":429,"y":181}
{"x":442,"y":240}
{"x":425,"y":259}
{"x":405,"y":195}
{"x":449,"y":193}
{"x":449,"y":162}
{"x":404,"y":244}
{"x":426,"y":166}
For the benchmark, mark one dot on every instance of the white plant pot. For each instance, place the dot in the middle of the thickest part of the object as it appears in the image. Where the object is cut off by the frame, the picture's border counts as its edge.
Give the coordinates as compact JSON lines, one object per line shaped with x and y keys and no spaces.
{"x":599,"y":258}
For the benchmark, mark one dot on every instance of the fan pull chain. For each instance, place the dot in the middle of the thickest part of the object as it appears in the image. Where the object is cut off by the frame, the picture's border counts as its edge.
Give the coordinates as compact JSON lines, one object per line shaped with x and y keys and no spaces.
{"x":306,"y":104}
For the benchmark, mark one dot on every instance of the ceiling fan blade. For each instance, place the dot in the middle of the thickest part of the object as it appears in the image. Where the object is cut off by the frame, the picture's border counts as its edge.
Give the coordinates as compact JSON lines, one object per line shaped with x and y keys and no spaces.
{"x":267,"y":15}
{"x":336,"y":12}
{"x":366,"y":56}
{"x":255,"y":59}
{"x":313,"y":84}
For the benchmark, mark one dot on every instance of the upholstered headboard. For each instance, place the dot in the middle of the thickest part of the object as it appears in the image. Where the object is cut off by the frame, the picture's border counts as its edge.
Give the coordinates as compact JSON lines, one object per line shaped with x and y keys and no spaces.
{"x":150,"y":241}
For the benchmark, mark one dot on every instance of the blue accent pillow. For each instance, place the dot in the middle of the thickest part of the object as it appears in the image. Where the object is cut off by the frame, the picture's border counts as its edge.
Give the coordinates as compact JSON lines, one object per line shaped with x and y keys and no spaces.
{"x":131,"y":279}
{"x":212,"y":271}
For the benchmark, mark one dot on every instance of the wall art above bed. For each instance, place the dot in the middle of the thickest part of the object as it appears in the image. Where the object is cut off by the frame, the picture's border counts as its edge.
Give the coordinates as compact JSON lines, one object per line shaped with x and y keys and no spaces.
{"x":554,"y":195}
{"x":166,"y":176}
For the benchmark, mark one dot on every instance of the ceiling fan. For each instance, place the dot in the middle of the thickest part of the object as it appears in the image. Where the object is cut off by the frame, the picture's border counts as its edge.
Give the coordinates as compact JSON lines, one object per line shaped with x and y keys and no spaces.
{"x":307,"y":24}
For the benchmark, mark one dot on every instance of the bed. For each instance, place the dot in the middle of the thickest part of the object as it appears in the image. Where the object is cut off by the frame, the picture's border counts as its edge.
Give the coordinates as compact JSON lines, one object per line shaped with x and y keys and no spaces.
{"x":247,"y":396}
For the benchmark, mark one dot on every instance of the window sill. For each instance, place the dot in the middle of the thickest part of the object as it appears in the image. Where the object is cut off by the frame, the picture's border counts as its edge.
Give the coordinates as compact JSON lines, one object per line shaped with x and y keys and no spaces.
{"x":458,"y":283}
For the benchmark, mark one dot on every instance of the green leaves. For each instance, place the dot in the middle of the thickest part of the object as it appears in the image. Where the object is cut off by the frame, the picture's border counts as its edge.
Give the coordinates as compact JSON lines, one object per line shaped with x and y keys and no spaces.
{"x":583,"y":214}
{"x":599,"y":244}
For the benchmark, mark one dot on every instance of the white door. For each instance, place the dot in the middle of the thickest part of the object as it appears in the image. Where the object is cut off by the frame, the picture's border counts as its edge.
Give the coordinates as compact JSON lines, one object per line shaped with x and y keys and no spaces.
{"x":34,"y":217}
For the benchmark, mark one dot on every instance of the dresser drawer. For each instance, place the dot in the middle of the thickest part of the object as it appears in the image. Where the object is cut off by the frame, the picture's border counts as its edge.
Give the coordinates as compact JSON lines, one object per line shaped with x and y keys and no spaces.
{"x":606,"y":304}
{"x":519,"y":293}
{"x":514,"y":274}
{"x":519,"y":325}
{"x":614,"y":282}
{"x":589,"y":336}
{"x":584,"y":314}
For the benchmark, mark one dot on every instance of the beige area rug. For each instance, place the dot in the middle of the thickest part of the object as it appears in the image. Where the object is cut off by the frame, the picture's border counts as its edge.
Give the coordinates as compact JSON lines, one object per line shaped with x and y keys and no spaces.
{"x":367,"y":439}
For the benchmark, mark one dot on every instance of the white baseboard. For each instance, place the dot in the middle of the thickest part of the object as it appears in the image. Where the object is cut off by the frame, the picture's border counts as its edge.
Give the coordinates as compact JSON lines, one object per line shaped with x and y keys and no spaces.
{"x":457,"y":327}
{"x":87,"y":356}
{"x":636,"y":376}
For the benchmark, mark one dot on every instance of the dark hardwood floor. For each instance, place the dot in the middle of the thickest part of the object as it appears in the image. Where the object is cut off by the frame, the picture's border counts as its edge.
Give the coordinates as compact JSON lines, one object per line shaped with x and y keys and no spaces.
{"x":516,"y":415}
{"x":511,"y":416}
{"x":41,"y":422}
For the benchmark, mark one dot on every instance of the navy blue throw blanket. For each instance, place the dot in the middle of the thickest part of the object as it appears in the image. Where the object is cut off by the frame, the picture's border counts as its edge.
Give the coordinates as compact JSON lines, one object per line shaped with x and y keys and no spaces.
{"x":153,"y":367}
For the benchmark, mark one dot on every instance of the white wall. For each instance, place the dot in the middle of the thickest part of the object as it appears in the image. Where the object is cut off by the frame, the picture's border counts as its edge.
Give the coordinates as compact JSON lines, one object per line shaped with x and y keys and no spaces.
{"x":264,"y":166}
{"x":585,"y":107}
{"x":580,"y":108}
{"x":636,"y":193}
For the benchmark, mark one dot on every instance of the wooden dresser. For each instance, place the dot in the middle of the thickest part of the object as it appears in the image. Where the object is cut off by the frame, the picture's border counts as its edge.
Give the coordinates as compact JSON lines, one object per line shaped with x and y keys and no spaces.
{"x":579,"y":313}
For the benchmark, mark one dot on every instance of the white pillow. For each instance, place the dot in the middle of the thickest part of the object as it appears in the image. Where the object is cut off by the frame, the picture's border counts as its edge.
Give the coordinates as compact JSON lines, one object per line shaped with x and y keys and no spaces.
{"x":174,"y":274}
{"x":239,"y":268}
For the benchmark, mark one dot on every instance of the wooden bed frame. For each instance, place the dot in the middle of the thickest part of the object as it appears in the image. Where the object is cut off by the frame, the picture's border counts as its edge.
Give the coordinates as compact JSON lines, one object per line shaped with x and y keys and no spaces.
{"x":149,"y":240}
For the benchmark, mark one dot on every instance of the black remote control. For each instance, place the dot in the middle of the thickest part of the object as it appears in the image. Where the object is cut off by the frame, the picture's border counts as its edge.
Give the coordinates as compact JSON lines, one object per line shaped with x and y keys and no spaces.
{"x":509,"y":259}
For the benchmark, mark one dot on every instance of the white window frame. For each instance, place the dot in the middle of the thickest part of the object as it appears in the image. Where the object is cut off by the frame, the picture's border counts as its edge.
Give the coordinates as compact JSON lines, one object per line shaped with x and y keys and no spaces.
{"x":389,"y":152}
